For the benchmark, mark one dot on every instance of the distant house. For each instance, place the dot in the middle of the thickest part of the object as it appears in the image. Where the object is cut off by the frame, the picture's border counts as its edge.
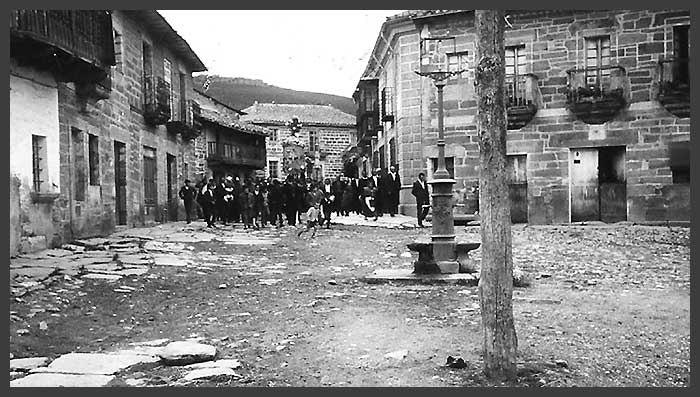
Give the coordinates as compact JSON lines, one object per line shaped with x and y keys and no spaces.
{"x":326,"y":131}
{"x":101,"y":123}
{"x":227,"y":145}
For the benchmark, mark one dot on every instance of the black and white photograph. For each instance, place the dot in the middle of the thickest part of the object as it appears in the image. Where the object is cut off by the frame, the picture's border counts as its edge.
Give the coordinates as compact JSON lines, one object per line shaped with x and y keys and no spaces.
{"x":350,"y":198}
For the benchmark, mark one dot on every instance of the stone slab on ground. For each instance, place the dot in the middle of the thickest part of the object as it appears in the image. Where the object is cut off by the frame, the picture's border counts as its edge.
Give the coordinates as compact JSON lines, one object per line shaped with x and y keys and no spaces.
{"x":170,"y":260}
{"x":29,"y":363}
{"x":94,"y":363}
{"x":101,"y":276}
{"x":204,"y":373}
{"x":37,"y":273}
{"x":406,"y":276}
{"x":386,"y":221}
{"x":186,"y":352}
{"x":62,"y":380}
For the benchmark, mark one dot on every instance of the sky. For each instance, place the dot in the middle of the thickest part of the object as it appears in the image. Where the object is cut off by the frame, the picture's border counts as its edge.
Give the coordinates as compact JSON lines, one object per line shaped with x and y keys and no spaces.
{"x":307,"y":50}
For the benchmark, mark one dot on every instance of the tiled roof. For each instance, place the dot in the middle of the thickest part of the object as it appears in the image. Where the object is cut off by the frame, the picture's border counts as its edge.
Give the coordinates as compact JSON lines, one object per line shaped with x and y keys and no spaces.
{"x":309,"y":114}
{"x":216,"y":112}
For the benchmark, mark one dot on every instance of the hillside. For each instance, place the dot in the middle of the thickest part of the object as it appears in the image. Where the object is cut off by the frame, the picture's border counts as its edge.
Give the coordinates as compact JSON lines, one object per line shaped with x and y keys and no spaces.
{"x":240,"y":93}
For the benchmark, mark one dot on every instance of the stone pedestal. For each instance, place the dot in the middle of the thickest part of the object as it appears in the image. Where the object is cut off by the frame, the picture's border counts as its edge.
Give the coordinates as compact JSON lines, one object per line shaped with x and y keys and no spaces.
{"x":443,"y":233}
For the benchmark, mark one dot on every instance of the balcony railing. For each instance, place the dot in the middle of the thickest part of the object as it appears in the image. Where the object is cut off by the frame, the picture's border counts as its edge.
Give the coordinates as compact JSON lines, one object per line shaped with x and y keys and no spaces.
{"x":187,"y":122}
{"x":156,"y":100}
{"x":674,"y":85}
{"x":595,"y":95}
{"x":237,"y":154}
{"x":521,"y":100}
{"x":76,"y":44}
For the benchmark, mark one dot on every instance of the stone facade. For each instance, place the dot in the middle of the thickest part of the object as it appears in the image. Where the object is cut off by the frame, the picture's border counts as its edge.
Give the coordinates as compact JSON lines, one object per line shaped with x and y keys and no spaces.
{"x":553,"y":43}
{"x":87,"y":130}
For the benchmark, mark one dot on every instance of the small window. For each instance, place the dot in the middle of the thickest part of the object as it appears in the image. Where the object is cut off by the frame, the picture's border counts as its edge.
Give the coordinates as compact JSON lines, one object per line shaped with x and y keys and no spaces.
{"x":273,"y":167}
{"x":680,"y":161}
{"x":39,"y":163}
{"x":313,"y":141}
{"x":516,"y":60}
{"x":681,"y":47}
{"x":94,"y":159}
{"x":273,"y":135}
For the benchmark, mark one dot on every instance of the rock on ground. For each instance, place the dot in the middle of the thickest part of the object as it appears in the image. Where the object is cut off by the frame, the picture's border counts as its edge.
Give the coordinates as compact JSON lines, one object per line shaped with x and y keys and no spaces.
{"x":208,"y":373}
{"x":94,"y":363}
{"x":26,"y":364}
{"x":184,"y":352}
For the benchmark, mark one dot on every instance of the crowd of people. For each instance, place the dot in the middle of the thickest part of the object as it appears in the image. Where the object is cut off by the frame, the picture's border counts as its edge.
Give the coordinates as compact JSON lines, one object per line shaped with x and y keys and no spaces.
{"x":297,"y":200}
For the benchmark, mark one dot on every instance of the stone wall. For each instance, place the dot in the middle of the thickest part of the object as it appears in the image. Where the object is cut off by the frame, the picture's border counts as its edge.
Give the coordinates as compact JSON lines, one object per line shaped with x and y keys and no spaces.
{"x":554,"y":43}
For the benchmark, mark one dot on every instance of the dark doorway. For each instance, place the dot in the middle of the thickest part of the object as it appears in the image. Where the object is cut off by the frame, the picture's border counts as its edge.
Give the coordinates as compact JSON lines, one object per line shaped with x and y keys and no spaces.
{"x":172,"y":186}
{"x":120,"y":182}
{"x":612,"y":184}
{"x":517,"y":186}
{"x":150,"y":186}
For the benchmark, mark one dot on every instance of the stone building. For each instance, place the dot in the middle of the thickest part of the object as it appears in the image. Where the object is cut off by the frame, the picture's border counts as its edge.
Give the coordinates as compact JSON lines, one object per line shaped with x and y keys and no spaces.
{"x":597,"y":101}
{"x":102,"y":119}
{"x":327,"y":133}
{"x":227,"y":145}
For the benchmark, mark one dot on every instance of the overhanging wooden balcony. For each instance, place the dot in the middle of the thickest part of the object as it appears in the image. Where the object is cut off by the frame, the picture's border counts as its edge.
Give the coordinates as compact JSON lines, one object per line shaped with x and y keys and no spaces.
{"x":674,"y":86}
{"x":235,"y":154}
{"x":521,"y":101}
{"x":187,"y":123}
{"x":595,"y":95}
{"x":74,"y":45}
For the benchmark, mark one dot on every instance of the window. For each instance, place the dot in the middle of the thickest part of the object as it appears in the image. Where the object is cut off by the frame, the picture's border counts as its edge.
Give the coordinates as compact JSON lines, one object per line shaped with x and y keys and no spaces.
{"x":39,"y":163}
{"x":597,"y":58}
{"x":313,"y":141}
{"x":118,"y":51}
{"x":147,"y":70}
{"x":515,"y":60}
{"x":681,"y":47}
{"x":387,"y":104}
{"x":150,"y":187}
{"x":79,"y":165}
{"x":273,"y":135}
{"x":457,"y":61}
{"x":184,"y":110}
{"x":680,"y":161}
{"x":392,"y":152}
{"x":167,"y":76}
{"x":94,"y":159}
{"x":273,"y":168}
{"x":370,"y":99}
{"x":449,"y":164}
{"x":515,"y":67}
{"x":382,"y":158}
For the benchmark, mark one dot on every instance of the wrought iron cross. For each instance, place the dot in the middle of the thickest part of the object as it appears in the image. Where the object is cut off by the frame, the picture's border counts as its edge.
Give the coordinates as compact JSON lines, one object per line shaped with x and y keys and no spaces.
{"x":294,"y":126}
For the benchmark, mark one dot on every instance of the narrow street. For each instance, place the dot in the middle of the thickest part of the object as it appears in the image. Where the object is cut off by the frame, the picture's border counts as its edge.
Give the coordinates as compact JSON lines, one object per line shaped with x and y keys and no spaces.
{"x":608,"y":305}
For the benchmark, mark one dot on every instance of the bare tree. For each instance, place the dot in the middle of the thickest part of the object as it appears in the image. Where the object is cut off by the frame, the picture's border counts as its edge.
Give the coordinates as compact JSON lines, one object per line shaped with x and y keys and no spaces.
{"x":496,"y":282}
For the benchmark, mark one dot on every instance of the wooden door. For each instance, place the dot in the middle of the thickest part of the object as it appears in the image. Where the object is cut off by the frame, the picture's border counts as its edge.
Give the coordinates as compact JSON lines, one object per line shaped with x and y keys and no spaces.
{"x":120,"y":182}
{"x":584,"y":185}
{"x":150,"y":186}
{"x":517,"y":185}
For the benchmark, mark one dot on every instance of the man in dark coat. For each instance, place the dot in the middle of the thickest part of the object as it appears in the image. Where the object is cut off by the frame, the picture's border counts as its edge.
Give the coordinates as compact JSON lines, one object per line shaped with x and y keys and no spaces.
{"x":420,"y":191}
{"x":276,"y":201}
{"x":219,"y":195}
{"x":209,"y":202}
{"x":337,"y":189}
{"x":188,"y":194}
{"x":392,"y":187}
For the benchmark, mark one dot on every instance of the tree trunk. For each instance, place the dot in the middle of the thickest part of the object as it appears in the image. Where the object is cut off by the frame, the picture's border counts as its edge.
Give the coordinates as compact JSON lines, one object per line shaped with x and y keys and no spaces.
{"x":496,"y":282}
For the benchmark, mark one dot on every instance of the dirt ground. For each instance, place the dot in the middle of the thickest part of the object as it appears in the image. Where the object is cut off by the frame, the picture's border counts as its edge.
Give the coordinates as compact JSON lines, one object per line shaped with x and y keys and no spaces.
{"x":608,"y":306}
